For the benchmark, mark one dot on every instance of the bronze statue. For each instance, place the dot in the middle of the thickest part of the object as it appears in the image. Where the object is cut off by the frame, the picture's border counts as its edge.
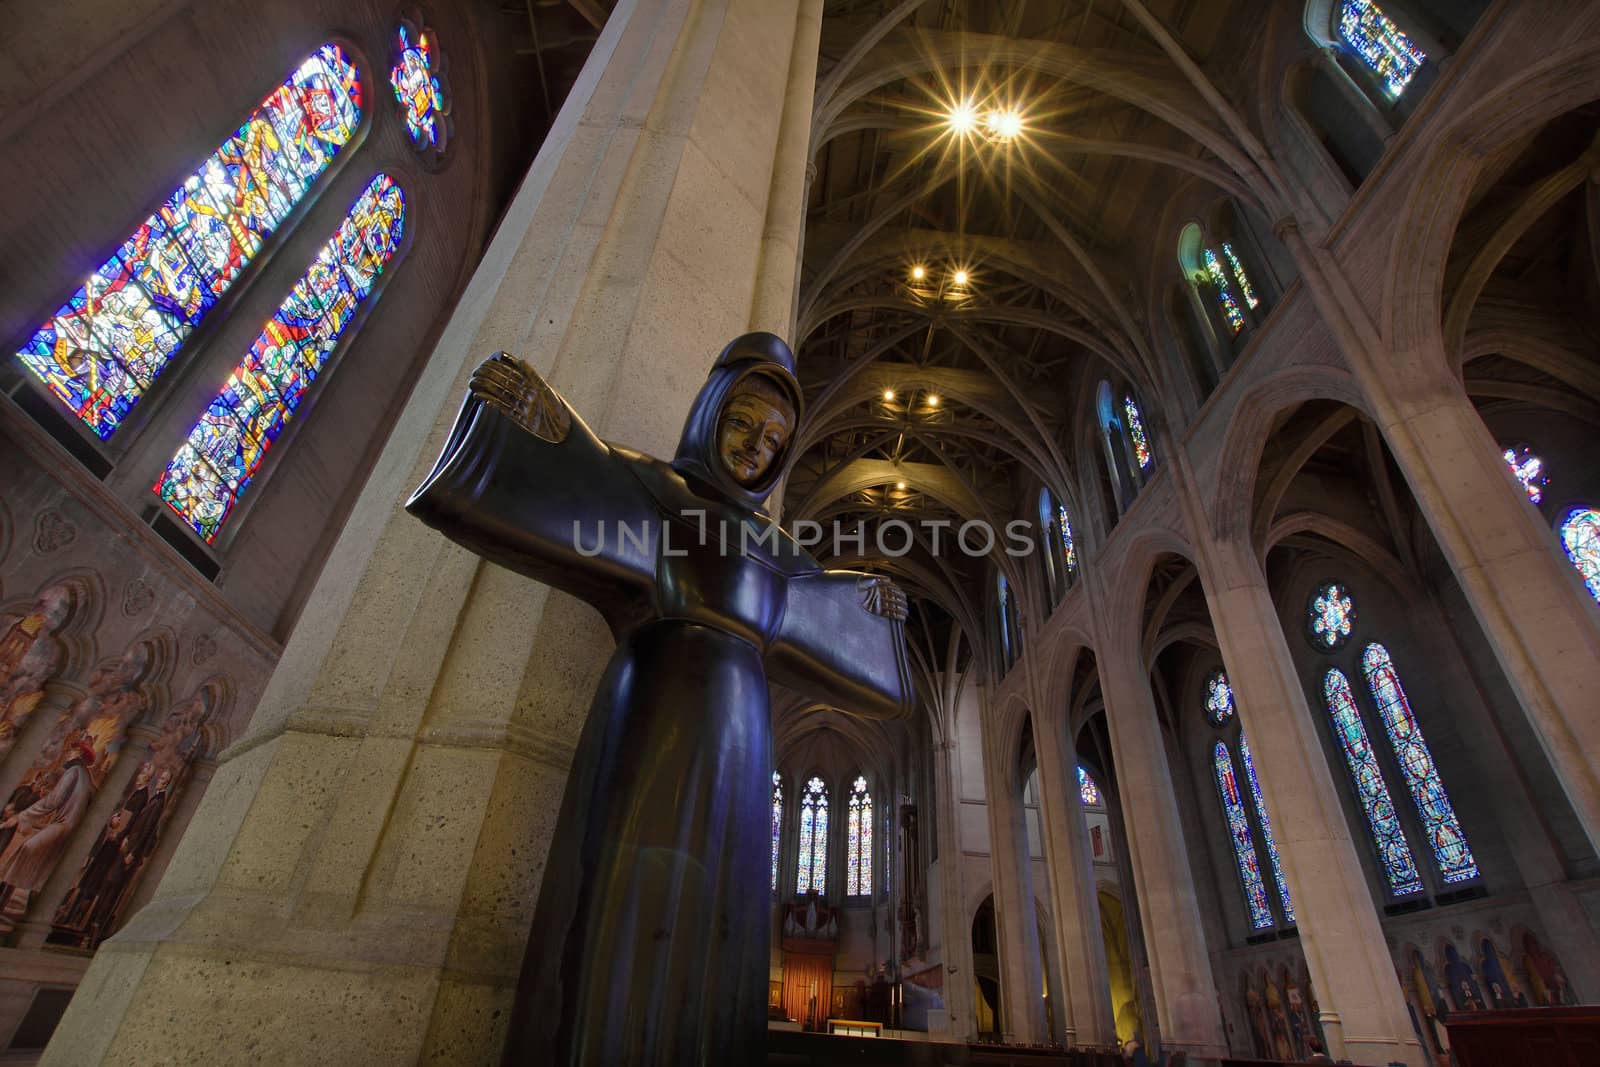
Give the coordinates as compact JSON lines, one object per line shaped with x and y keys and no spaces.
{"x":650,"y":942}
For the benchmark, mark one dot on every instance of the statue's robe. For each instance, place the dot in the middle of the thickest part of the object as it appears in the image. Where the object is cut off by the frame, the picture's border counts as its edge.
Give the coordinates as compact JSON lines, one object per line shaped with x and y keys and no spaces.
{"x":650,"y":942}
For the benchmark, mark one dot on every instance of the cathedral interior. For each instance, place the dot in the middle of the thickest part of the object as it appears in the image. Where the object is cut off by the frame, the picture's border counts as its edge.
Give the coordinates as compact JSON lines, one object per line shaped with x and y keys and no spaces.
{"x":1211,"y":377}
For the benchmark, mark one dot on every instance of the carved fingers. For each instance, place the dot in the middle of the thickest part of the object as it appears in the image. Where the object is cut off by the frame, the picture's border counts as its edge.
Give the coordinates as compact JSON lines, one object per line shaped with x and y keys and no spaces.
{"x":882,"y":597}
{"x":512,"y":387}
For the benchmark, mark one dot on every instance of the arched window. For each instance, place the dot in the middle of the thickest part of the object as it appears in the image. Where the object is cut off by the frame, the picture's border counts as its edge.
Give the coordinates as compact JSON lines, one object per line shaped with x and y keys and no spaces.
{"x":1140,"y":443}
{"x":226,"y":447}
{"x":1060,"y":556}
{"x":1010,"y":647}
{"x":1398,"y":867}
{"x":1373,"y":38}
{"x":1527,"y":469}
{"x":858,"y":844}
{"x":1069,"y":551}
{"x":1244,"y":849}
{"x":1439,"y":820}
{"x":1580,"y":537}
{"x":103,"y":349}
{"x":777,"y":824}
{"x":813,"y":864}
{"x":1219,"y":281}
{"x":1088,"y":791}
{"x":1266,"y":829}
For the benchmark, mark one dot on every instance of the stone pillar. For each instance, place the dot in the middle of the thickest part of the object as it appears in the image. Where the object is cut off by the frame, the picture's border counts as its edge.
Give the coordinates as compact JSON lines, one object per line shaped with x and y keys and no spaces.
{"x":1016,"y":917}
{"x":1175,"y":940}
{"x":955,"y":927}
{"x":1539,"y":618}
{"x":1362,"y":1008}
{"x":358,"y":883}
{"x":1085,"y":1003}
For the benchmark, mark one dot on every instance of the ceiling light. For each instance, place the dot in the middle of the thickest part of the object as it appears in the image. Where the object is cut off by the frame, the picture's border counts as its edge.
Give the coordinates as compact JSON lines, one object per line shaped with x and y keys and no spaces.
{"x":1003,"y":125}
{"x":888,"y":394}
{"x":919,"y":272}
{"x":899,"y":485}
{"x":963,"y":117}
{"x":959,"y":277}
{"x":933,"y":400}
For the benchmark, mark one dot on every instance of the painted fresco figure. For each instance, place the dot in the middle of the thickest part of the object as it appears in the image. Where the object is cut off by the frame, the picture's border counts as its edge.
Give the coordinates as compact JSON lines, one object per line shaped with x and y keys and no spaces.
{"x":30,"y":657}
{"x":1463,"y":984}
{"x":650,"y":942}
{"x":1550,"y":986}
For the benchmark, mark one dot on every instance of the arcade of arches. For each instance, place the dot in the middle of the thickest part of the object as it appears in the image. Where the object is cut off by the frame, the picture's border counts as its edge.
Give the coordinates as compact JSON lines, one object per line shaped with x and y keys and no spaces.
{"x":1266,"y":325}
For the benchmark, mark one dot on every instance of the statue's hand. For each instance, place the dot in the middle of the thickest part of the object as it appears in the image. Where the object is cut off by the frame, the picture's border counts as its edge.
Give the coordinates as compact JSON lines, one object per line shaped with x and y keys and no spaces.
{"x":882,"y":597}
{"x":512,"y":387}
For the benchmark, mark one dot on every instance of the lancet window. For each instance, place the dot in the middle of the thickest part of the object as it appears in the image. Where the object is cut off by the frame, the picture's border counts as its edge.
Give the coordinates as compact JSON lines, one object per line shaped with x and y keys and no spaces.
{"x":1244,"y":849}
{"x":777,"y":824}
{"x":1088,"y":791}
{"x":1136,"y":435}
{"x":1375,"y":39}
{"x":813,"y":859}
{"x":102,"y":350}
{"x":858,"y":843}
{"x":1266,"y":829}
{"x":1383,"y":821}
{"x":1069,"y":553}
{"x":225,"y":449}
{"x":1222,"y":713}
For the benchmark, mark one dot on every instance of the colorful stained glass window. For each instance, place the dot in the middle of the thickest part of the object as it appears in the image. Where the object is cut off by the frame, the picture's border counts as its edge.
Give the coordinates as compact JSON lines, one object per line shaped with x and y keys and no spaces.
{"x":1088,"y":792}
{"x":226,"y":447}
{"x":1528,"y":469}
{"x":1068,"y":552}
{"x":1230,"y":306}
{"x":1266,"y":829}
{"x":1141,"y":443}
{"x":813,"y":864}
{"x":1244,"y":849}
{"x":415,"y":80}
{"x":1332,"y":615}
{"x":1580,"y":536}
{"x":1439,"y":820}
{"x":777,"y":824}
{"x":858,"y":847}
{"x":1219,"y":699}
{"x":1399,"y":869}
{"x":1374,"y":37}
{"x":101,"y":351}
{"x":1240,"y":276}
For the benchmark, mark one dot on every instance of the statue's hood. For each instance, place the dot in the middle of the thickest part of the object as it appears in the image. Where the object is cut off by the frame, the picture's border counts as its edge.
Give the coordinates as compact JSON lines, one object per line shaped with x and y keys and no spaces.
{"x":754,"y":353}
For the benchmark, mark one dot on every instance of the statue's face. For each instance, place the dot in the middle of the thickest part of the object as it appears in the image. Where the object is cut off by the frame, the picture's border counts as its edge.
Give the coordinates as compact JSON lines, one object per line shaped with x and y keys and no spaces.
{"x":754,"y":428}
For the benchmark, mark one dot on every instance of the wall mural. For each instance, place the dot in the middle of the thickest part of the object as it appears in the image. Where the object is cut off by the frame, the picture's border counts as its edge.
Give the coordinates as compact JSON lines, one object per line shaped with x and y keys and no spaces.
{"x":90,"y":911}
{"x":31,"y":655}
{"x":55,"y":792}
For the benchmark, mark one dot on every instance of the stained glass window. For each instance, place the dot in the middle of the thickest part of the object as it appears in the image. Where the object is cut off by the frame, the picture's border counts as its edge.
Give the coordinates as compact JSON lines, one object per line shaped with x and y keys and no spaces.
{"x":1088,"y":792}
{"x":1244,"y":849}
{"x":1398,"y":867}
{"x":1240,"y":276}
{"x":1141,"y":443}
{"x":1439,"y":820}
{"x":1219,"y":699}
{"x":1528,"y":469}
{"x":1332,"y":615}
{"x":813,"y":865}
{"x":1230,"y":306}
{"x":1374,"y":37}
{"x":1580,"y":536}
{"x":227,"y":446}
{"x":416,"y":84}
{"x":1068,"y":551}
{"x":777,"y":824}
{"x":1266,"y":829}
{"x":102,"y":349}
{"x":858,"y":849}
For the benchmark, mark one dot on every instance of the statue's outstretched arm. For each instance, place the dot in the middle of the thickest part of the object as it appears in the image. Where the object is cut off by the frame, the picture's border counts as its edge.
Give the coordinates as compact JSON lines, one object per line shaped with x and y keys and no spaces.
{"x":843,"y":640}
{"x":523,"y":482}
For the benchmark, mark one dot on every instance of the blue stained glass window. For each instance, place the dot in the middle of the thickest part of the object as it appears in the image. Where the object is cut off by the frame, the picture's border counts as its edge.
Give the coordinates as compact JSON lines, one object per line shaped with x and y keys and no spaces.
{"x":1068,"y":552}
{"x":1580,"y":537}
{"x":1528,"y":469}
{"x":1332,"y":615}
{"x":1240,"y":276}
{"x":1244,"y":849}
{"x":415,"y":80}
{"x":1088,"y":792}
{"x":227,"y":446}
{"x":1439,"y":820}
{"x":777,"y":824}
{"x":1230,"y":306}
{"x":813,"y":863}
{"x":1219,"y":699}
{"x":1141,"y":443}
{"x":101,"y":350}
{"x":1399,"y":869}
{"x":858,"y":852}
{"x":1266,"y":829}
{"x":1374,"y":37}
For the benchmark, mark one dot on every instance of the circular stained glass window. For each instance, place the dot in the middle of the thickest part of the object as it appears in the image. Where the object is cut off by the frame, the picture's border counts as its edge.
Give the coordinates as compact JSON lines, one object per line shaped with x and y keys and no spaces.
{"x":1219,"y":699}
{"x":1331,"y":617}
